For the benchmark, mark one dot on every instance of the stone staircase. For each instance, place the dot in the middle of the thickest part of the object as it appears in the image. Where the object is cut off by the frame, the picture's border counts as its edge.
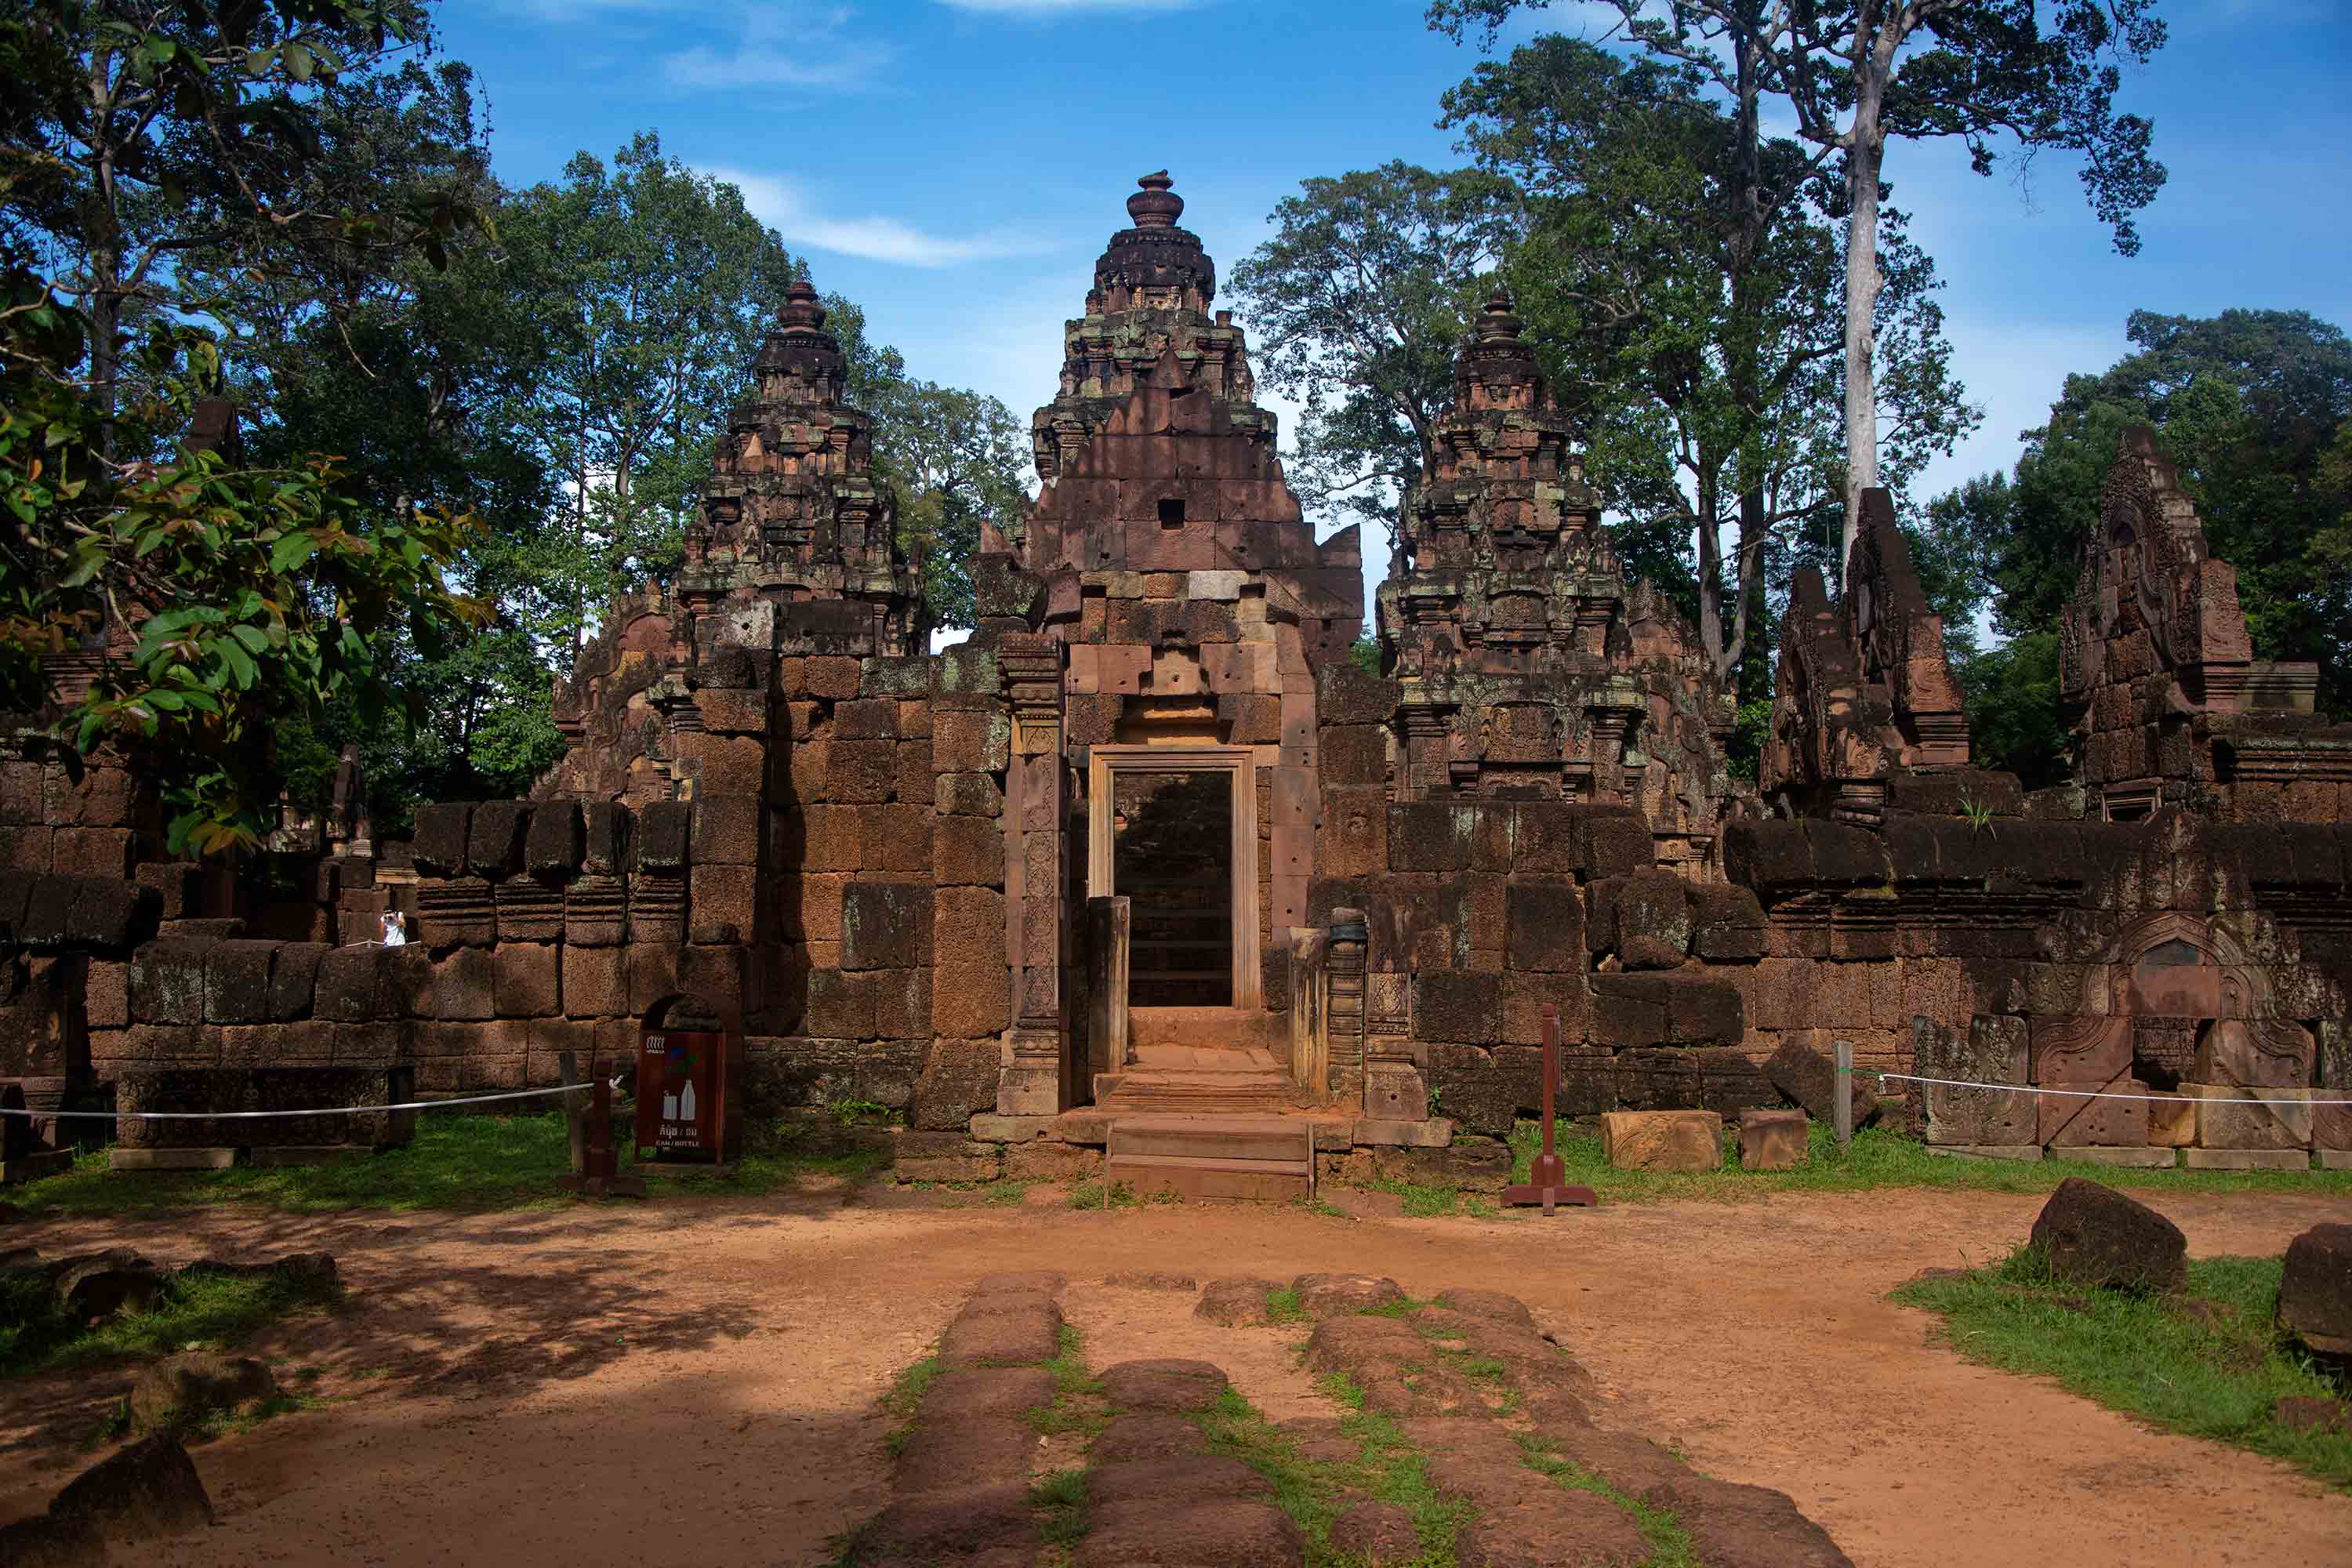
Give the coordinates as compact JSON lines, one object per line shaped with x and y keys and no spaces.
{"x":1266,"y":1158}
{"x":1201,"y":1108}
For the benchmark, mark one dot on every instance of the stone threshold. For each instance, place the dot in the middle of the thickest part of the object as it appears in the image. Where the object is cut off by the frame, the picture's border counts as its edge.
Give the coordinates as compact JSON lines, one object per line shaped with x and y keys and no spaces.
{"x":1090,"y":1125}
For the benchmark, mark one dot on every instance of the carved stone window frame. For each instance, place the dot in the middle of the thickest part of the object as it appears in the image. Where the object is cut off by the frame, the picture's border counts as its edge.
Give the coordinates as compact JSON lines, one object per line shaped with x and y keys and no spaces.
{"x":1239,"y":765}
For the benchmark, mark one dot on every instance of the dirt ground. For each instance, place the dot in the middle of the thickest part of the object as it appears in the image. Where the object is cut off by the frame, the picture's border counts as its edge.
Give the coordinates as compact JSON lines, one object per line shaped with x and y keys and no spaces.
{"x":643,"y":1384}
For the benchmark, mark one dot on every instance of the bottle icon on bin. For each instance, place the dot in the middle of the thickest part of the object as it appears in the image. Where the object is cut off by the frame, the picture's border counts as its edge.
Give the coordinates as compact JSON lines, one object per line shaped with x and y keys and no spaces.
{"x":677,"y":1088}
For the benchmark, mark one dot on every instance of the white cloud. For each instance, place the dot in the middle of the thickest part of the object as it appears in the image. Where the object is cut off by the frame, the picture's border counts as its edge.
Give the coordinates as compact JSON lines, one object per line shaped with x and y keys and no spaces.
{"x":782,"y":46}
{"x":780,"y":204}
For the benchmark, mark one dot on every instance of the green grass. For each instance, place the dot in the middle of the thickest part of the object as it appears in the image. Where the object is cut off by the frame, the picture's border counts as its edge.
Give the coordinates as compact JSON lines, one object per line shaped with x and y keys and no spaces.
{"x":1422,"y":1202}
{"x":1877,"y":1158}
{"x":1670,"y":1544}
{"x":1097,"y":1194}
{"x":455,"y":1161}
{"x":1061,"y":1498}
{"x":210,"y":1312}
{"x":1077,"y":1404}
{"x":2214,"y":1376}
{"x":1283,"y":1306}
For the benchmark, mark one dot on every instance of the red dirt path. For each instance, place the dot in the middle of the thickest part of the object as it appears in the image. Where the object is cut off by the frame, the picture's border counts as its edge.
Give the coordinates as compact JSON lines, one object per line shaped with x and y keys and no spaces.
{"x":646,"y":1384}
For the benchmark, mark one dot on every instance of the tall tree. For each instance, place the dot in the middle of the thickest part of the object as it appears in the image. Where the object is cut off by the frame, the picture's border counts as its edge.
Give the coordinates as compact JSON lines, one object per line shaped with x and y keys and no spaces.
{"x":1683,"y":276}
{"x":2252,"y":406}
{"x":1854,"y":72}
{"x":1358,"y":301}
{"x":177,"y":128}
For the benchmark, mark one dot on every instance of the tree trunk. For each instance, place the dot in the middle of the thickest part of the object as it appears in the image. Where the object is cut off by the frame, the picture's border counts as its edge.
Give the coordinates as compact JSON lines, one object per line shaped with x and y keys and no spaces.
{"x":1710,"y":561}
{"x":1874,"y":59}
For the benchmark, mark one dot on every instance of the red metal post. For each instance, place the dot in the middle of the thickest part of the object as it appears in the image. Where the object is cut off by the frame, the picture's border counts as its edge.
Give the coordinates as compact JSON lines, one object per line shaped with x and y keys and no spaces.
{"x":1546,"y":1182}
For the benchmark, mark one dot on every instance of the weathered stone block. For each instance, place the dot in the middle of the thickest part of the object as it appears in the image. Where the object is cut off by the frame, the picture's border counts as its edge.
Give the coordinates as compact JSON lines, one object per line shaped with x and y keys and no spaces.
{"x":727,"y":829}
{"x":2315,"y":1302}
{"x":968,"y":929}
{"x":167,"y":982}
{"x":2095,"y":1236}
{"x":465,"y":985}
{"x":886,"y":925}
{"x":841,"y":1005}
{"x":1543,"y":925}
{"x":1661,"y":1140}
{"x":664,"y":831}
{"x":555,"y":841}
{"x":1459,"y":1007}
{"x":494,"y":837}
{"x":971,"y":1000}
{"x":1430,"y":836}
{"x":723,"y":903}
{"x":236,"y":982}
{"x":439,"y":841}
{"x":1993,"y":1051}
{"x":528,"y":980}
{"x":1773,"y":1139}
{"x":2234,"y":1116}
{"x":959,"y":1078}
{"x":596,"y":982}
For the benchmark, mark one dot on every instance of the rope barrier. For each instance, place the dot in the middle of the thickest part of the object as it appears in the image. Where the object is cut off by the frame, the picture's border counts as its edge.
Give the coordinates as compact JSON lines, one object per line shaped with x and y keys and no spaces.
{"x":2075,"y":1093}
{"x":330,"y":1111}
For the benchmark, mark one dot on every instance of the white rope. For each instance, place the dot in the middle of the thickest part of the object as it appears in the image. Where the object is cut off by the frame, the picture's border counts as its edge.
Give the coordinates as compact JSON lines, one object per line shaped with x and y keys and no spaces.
{"x":2089,"y":1093}
{"x":330,"y":1110}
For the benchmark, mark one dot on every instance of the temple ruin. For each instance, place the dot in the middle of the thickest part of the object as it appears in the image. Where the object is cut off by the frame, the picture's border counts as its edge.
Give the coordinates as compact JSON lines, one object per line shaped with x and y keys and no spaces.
{"x":1153,"y":856}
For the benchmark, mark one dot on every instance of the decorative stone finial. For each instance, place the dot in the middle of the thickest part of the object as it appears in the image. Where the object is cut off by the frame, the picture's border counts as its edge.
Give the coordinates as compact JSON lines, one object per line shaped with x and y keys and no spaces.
{"x":801,"y":308}
{"x":1155,"y":206}
{"x":1496,"y":321}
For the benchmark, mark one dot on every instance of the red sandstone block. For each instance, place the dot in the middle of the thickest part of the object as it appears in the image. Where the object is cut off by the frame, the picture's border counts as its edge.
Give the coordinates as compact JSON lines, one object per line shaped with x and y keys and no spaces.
{"x":971,"y":1000}
{"x":968,"y":928}
{"x":831,"y":677}
{"x":832,"y":839}
{"x":913,"y":784}
{"x":895,"y":838}
{"x":729,"y":711}
{"x":970,"y":741}
{"x":969,"y":851}
{"x":465,"y":985}
{"x":862,"y":772}
{"x":867,"y":719}
{"x":653,"y":974}
{"x":902,"y":1004}
{"x":916,"y":718}
{"x":106,"y":994}
{"x":712,"y":974}
{"x":596,"y":982}
{"x":841,"y":1005}
{"x":26,"y":848}
{"x":727,"y":829}
{"x":723,"y":903}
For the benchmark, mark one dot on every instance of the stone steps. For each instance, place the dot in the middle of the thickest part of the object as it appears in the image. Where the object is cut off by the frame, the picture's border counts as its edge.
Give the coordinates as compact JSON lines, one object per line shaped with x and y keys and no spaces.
{"x":1264,"y":1158}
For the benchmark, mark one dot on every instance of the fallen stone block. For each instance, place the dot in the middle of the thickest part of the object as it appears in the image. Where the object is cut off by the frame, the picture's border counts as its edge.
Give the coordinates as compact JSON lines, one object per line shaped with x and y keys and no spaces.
{"x":1376,"y":1532}
{"x":1661,"y":1140}
{"x":2095,"y":1236}
{"x":143,"y":1492}
{"x":988,"y":1391}
{"x":182,"y":1390}
{"x":1234,"y":1302}
{"x":1327,"y":1295}
{"x":1149,"y":1435}
{"x":1178,"y":1533}
{"x":1170,"y":1386}
{"x":955,"y":1454}
{"x":1774,"y":1140}
{"x":2314,"y":1302}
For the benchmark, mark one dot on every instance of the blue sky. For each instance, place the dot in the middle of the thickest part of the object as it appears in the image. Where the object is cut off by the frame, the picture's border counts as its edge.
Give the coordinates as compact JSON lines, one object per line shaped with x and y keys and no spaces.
{"x":955,"y":166}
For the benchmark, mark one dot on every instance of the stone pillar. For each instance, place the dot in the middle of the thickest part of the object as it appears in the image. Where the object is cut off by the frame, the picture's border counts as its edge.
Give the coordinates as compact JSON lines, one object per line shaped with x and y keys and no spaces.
{"x":1344,"y":954}
{"x":1037,"y":1077}
{"x":1310,"y":1041}
{"x":1107,"y":928}
{"x":1394,"y":1086}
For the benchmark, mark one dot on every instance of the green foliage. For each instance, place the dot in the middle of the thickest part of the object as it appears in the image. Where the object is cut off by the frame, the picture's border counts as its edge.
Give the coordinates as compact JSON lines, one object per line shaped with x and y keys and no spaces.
{"x":1357,"y":303}
{"x":217,"y":1311}
{"x":1282,"y":1307}
{"x":2215,"y":1372}
{"x":1364,"y":653}
{"x":1684,"y":281}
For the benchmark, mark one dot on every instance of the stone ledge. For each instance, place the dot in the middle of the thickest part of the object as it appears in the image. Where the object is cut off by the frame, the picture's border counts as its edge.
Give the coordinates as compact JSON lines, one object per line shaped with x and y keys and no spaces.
{"x":1986,"y":1151}
{"x":2246,"y":1159}
{"x":170,"y":1158}
{"x":2096,"y":1155}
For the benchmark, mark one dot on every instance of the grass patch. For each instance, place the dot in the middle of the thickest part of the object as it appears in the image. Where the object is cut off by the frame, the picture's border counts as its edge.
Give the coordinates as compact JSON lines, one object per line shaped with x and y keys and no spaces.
{"x":208,"y":1311}
{"x":1877,"y":1158}
{"x":1403,"y":1307}
{"x":1077,"y":1394}
{"x":1100,"y":1194}
{"x":1670,"y":1544}
{"x":1283,"y":1306}
{"x":1003,"y":1195}
{"x":455,"y":1161}
{"x":1061,"y":1500}
{"x":1422,"y":1202}
{"x":2210,"y":1372}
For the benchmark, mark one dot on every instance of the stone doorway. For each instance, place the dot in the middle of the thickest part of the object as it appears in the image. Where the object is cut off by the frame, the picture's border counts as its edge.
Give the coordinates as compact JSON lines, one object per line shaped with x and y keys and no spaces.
{"x":1171,"y":838}
{"x":1174,"y":829}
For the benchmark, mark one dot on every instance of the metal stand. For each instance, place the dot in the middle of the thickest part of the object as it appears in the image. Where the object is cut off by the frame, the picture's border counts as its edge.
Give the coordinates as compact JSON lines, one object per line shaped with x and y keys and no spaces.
{"x":1545,"y":1183}
{"x":599,"y":1176}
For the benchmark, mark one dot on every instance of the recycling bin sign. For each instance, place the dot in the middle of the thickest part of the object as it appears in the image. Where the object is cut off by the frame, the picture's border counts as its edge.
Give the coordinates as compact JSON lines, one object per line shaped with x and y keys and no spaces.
{"x":682,"y":1093}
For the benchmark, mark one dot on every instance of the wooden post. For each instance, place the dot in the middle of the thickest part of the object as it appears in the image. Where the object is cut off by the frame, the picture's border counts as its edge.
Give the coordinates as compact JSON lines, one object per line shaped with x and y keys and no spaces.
{"x":1547,"y":1175}
{"x":1844,"y":1092}
{"x":575,"y":1111}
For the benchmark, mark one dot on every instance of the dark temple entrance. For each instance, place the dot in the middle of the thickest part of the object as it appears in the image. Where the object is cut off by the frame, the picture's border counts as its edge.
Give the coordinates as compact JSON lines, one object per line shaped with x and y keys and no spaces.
{"x":1172,"y":837}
